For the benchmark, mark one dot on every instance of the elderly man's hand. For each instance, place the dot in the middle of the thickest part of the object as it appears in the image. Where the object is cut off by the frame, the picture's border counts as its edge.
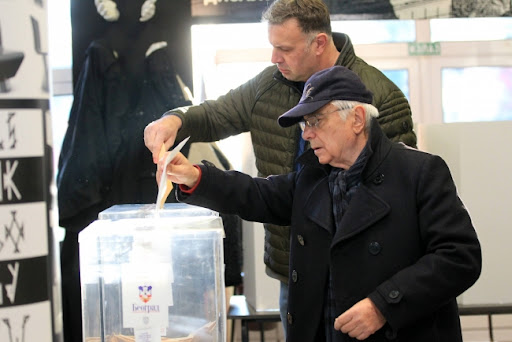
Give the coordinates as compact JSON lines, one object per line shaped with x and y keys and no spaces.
{"x":361,"y":320}
{"x":161,"y":131}
{"x":179,"y":171}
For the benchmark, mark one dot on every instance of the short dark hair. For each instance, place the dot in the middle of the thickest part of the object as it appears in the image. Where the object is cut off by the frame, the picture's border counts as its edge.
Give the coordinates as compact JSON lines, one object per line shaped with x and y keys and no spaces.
{"x":312,"y":15}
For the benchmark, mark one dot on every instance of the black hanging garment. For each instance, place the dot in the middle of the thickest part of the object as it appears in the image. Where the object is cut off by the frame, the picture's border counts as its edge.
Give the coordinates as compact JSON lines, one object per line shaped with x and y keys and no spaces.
{"x":103,"y":159}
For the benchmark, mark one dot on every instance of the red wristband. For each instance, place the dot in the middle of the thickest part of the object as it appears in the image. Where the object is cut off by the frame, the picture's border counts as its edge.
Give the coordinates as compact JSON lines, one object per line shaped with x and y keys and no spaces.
{"x":188,"y":190}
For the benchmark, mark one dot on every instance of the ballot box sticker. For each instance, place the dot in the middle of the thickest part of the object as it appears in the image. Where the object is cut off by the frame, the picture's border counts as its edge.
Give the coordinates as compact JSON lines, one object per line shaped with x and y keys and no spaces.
{"x":145,"y":294}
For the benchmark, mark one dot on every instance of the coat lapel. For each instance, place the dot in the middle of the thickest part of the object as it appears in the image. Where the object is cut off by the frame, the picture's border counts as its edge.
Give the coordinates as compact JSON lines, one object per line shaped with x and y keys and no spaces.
{"x":318,"y":206}
{"x":364,"y":210}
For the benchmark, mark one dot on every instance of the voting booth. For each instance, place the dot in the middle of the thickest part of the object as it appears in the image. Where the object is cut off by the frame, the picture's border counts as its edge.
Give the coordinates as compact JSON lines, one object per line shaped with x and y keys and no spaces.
{"x":152,"y":275}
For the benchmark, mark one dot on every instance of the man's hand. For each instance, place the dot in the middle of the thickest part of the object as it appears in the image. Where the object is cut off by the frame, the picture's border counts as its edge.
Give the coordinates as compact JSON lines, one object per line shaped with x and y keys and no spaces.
{"x":180,"y":170}
{"x":161,"y":131}
{"x":361,"y":320}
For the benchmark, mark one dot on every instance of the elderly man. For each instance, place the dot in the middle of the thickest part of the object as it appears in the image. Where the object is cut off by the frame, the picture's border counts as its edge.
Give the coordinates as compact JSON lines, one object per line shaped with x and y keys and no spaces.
{"x":381,"y":245}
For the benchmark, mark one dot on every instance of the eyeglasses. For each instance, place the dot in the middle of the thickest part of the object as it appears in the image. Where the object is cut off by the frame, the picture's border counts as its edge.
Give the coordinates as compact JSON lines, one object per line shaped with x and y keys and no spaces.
{"x":314,"y":120}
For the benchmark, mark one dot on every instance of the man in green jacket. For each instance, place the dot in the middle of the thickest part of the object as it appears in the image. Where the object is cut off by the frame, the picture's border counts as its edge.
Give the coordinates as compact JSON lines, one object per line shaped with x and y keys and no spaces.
{"x":300,"y":33}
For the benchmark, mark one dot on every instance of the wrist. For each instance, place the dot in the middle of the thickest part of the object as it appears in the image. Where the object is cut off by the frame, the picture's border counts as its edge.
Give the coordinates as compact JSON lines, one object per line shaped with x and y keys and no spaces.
{"x":192,"y":186}
{"x":173,"y":118}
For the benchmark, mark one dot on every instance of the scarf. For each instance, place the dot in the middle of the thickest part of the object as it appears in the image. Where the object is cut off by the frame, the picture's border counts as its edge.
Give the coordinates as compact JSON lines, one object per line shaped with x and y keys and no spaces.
{"x":343,"y":183}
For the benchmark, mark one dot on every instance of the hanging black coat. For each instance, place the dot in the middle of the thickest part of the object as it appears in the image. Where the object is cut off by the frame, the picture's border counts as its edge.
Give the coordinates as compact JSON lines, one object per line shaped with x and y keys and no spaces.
{"x":103,"y":159}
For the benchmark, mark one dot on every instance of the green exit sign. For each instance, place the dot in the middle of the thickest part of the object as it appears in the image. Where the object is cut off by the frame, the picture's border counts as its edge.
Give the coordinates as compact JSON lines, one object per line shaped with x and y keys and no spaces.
{"x":424,"y":49}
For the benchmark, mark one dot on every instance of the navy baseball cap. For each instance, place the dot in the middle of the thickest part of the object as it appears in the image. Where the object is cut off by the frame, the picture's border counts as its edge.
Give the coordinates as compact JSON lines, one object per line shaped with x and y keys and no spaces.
{"x":334,"y":83}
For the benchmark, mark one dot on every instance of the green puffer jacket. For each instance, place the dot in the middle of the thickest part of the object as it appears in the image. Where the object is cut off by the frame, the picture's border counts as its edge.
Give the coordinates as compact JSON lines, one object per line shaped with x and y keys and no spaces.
{"x":255,"y":106}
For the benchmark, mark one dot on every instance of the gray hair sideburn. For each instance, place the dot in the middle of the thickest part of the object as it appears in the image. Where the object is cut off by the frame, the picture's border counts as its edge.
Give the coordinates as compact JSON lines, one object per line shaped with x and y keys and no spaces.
{"x":343,"y":106}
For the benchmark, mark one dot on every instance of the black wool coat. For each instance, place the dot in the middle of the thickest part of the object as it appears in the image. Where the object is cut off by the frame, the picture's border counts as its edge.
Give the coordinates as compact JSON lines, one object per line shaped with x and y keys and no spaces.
{"x":406,"y":240}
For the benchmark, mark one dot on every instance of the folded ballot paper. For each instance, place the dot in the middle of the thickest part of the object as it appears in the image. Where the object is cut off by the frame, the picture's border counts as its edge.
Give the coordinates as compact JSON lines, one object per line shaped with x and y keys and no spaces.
{"x":165,"y":186}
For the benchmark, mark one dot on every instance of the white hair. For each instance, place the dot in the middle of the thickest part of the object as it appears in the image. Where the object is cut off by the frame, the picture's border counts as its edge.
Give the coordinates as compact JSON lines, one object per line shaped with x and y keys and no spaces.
{"x":344,"y":106}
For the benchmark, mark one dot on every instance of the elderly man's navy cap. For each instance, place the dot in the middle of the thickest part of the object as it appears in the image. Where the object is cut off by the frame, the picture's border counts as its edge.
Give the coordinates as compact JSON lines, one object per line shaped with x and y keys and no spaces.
{"x":335,"y":83}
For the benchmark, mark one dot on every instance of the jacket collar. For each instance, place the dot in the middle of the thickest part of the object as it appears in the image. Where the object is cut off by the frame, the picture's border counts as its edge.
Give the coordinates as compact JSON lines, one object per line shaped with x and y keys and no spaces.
{"x":344,"y":45}
{"x":381,"y":146}
{"x":297,"y":86}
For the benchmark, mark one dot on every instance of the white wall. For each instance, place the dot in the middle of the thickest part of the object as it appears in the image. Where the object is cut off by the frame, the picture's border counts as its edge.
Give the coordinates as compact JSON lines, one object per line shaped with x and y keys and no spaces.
{"x":478,"y":155}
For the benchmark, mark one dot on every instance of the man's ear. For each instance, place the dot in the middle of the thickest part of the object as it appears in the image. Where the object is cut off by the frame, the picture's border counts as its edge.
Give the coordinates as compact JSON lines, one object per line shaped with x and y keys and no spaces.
{"x":321,"y":40}
{"x":359,"y":122}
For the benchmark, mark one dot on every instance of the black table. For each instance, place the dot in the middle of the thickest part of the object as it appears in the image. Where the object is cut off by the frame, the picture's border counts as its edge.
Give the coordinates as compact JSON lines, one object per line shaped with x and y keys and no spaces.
{"x":240,"y":310}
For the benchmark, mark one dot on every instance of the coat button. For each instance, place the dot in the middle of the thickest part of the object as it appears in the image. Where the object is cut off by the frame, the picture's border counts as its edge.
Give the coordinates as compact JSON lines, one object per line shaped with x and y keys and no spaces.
{"x":289,"y":318}
{"x":394,"y":294}
{"x":300,"y":238}
{"x":390,"y":334}
{"x":374,"y":248}
{"x":378,"y":179}
{"x":294,"y":276}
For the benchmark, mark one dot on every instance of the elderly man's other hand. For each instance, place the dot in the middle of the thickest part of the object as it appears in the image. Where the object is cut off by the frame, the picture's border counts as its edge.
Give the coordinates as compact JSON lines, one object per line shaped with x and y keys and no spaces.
{"x":361,"y":320}
{"x":161,"y":131}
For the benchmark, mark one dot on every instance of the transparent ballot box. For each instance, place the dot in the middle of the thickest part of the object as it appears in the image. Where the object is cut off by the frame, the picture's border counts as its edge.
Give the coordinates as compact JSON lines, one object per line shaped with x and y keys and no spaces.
{"x":152,"y":275}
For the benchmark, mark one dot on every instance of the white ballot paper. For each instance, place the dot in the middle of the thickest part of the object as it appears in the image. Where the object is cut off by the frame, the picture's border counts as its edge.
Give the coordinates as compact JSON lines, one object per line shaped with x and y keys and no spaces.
{"x":163,"y":186}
